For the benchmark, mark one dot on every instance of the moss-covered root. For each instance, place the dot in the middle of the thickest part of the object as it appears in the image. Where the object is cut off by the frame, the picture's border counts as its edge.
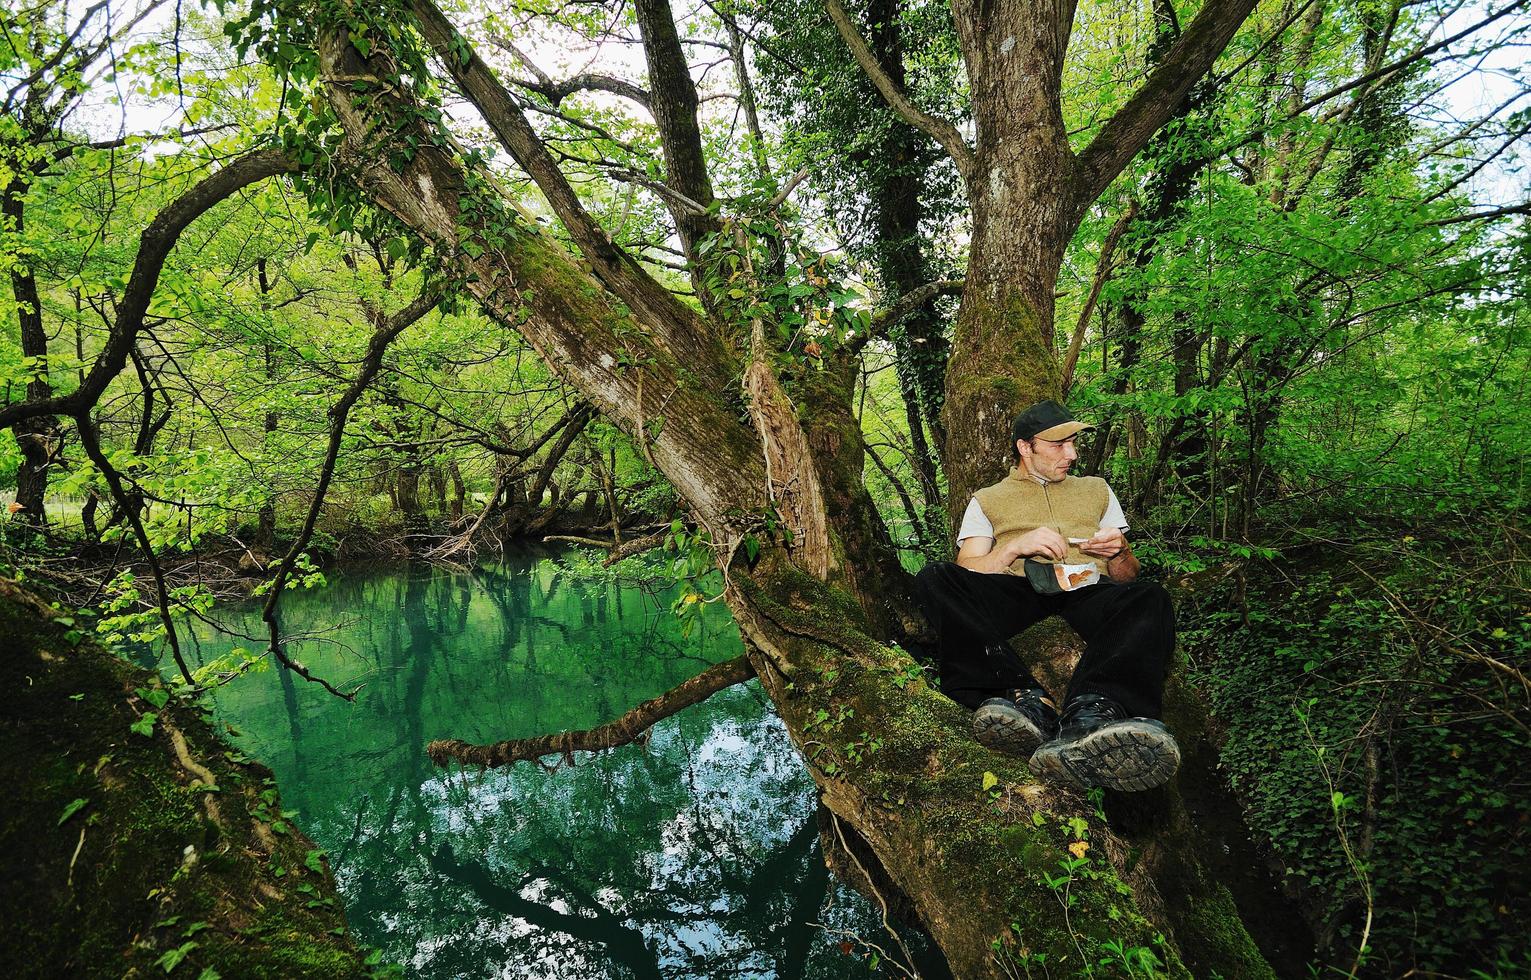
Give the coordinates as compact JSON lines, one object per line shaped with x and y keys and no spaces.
{"x":141,"y":847}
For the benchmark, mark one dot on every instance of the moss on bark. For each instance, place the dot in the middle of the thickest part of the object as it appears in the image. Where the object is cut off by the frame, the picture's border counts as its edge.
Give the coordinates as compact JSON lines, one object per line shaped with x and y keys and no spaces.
{"x":983,"y":861}
{"x":121,"y":859}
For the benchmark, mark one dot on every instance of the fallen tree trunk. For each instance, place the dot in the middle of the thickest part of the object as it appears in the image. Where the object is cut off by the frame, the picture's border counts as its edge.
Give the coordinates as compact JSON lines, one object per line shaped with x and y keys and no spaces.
{"x":135,"y":841}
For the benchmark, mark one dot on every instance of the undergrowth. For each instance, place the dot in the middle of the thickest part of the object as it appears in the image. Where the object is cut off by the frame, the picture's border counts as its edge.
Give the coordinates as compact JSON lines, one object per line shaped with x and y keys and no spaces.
{"x":1375,"y":706}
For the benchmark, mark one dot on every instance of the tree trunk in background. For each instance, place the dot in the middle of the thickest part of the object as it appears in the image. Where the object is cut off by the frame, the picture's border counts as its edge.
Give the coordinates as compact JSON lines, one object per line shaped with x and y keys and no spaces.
{"x":920,"y":347}
{"x":265,"y":522}
{"x":37,"y":438}
{"x":459,"y":491}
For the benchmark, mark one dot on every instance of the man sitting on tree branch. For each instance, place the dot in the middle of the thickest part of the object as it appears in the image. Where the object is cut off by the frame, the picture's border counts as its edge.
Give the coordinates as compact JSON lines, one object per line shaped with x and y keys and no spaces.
{"x":1042,"y":543}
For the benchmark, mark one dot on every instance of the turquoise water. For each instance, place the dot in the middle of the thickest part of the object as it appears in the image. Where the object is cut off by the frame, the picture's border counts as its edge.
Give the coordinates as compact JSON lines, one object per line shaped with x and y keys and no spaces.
{"x":696,"y":855}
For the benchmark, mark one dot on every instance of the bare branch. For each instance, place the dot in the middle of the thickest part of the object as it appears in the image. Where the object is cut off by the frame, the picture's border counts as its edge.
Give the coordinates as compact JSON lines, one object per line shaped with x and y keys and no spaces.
{"x":1102,"y":273}
{"x":556,"y":92}
{"x":902,"y":307}
{"x":622,"y":731}
{"x":1522,"y":208}
{"x":372,"y":362}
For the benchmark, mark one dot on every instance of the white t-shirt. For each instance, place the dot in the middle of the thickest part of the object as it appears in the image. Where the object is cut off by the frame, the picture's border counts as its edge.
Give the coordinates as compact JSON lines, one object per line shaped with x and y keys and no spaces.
{"x":976,"y":524}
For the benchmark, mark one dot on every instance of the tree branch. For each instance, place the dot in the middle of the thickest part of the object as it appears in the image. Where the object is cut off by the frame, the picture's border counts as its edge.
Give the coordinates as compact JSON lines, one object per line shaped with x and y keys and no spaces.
{"x":154,"y":248}
{"x":372,"y":362}
{"x":684,"y":330}
{"x":1523,"y":208}
{"x":938,"y":129}
{"x":902,"y":307}
{"x":1102,"y":273}
{"x":622,"y":731}
{"x":1153,"y":105}
{"x":556,"y":92}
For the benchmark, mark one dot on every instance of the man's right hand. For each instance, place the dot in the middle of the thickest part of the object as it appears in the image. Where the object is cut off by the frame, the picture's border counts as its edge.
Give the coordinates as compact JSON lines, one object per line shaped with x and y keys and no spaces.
{"x":979,"y":555}
{"x":1042,"y":542}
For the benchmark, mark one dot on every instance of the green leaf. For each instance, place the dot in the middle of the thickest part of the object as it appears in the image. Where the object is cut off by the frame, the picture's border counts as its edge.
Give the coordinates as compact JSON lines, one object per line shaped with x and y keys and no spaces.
{"x":70,"y":810}
{"x":989,"y":781}
{"x":173,"y":957}
{"x":145,"y":725}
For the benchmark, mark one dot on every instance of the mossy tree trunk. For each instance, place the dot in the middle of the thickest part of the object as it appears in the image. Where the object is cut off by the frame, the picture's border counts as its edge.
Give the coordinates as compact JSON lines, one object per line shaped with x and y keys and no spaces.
{"x":960,"y":836}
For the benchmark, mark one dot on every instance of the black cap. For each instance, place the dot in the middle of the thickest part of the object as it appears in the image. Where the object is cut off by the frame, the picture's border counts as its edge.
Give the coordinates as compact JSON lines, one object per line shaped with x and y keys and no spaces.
{"x":1046,"y":420}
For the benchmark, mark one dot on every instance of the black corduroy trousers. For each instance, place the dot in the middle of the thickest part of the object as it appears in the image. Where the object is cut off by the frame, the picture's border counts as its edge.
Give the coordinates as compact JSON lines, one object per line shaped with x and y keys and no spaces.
{"x":1128,"y":629}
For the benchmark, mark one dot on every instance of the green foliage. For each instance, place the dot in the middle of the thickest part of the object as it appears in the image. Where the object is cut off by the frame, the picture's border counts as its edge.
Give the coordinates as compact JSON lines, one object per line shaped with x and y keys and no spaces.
{"x":1379,"y":729}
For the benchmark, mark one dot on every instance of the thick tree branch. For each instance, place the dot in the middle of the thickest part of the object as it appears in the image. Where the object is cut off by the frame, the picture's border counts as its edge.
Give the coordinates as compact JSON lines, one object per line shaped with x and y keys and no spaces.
{"x":940,"y":130}
{"x":154,"y":248}
{"x":674,"y":103}
{"x":622,"y":731}
{"x":906,"y":304}
{"x":1504,"y":212}
{"x":684,"y":332}
{"x":556,"y":92}
{"x":1153,"y":105}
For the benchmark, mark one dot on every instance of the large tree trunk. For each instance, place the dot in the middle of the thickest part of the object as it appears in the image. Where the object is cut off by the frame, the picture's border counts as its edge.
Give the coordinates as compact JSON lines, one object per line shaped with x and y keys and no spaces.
{"x":1025,"y":209}
{"x":970,"y":856}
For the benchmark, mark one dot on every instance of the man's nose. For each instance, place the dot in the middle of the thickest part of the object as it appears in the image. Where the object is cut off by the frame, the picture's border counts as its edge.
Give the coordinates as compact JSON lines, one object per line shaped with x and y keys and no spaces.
{"x":1070,"y":451}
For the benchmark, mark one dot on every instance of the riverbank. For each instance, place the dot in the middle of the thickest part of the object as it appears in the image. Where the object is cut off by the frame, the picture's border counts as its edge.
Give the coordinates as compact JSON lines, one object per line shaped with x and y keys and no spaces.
{"x":136,"y":841}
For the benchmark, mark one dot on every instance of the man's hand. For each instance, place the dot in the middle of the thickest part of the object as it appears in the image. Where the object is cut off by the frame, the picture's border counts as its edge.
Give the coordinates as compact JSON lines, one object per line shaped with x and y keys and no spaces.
{"x":980,"y":555}
{"x":1107,"y":543}
{"x":1042,"y":542}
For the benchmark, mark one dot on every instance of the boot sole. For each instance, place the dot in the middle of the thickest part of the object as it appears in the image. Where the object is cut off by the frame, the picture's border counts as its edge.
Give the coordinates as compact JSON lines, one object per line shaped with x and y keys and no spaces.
{"x":1131,"y":755}
{"x":1004,"y":729}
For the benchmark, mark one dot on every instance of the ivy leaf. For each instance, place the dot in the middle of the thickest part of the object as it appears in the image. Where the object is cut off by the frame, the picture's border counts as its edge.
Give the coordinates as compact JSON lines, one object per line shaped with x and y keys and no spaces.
{"x":71,"y":810}
{"x":989,"y":781}
{"x":173,"y":957}
{"x":145,"y":725}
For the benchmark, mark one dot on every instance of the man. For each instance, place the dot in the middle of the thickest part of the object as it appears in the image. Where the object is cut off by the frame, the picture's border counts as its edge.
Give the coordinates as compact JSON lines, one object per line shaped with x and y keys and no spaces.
{"x":1041,"y":543}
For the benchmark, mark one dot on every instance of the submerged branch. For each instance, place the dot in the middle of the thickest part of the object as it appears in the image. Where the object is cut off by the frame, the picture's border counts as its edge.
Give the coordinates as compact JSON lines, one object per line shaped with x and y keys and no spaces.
{"x":622,"y":731}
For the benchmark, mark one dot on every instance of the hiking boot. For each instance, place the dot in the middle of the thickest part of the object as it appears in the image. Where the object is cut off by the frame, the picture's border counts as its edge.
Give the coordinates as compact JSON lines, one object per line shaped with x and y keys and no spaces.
{"x":1017,"y":724}
{"x":1098,"y":745}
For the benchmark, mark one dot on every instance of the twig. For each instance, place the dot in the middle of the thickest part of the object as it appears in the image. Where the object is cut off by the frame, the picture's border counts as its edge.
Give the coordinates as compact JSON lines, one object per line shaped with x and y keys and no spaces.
{"x":909,"y":971}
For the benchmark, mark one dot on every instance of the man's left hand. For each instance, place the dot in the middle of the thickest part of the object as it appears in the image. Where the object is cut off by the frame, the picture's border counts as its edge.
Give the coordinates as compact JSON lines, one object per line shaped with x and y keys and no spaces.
{"x":1107,"y":543}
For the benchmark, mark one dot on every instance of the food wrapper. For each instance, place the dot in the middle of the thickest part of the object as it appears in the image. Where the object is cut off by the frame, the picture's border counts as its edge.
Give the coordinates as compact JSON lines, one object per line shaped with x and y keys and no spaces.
{"x":1051,"y":579}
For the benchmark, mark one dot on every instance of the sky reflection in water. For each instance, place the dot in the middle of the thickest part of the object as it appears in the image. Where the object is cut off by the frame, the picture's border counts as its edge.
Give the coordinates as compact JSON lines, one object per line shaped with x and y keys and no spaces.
{"x":695,"y":857}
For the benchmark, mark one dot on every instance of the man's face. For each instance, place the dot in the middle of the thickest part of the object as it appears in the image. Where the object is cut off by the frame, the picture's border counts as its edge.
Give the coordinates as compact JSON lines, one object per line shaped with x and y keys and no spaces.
{"x":1047,"y":458}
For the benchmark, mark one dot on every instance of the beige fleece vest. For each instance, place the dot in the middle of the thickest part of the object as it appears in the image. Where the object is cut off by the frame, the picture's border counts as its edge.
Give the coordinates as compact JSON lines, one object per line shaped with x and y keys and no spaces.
{"x":1018,"y":504}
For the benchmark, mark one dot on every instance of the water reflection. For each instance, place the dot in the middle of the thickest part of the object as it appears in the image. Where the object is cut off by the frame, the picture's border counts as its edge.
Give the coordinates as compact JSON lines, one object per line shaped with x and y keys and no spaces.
{"x":696,"y":855}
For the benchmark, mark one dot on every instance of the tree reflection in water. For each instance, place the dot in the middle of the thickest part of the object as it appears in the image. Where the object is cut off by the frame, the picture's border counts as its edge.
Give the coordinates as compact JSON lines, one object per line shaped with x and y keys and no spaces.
{"x":694,"y":856}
